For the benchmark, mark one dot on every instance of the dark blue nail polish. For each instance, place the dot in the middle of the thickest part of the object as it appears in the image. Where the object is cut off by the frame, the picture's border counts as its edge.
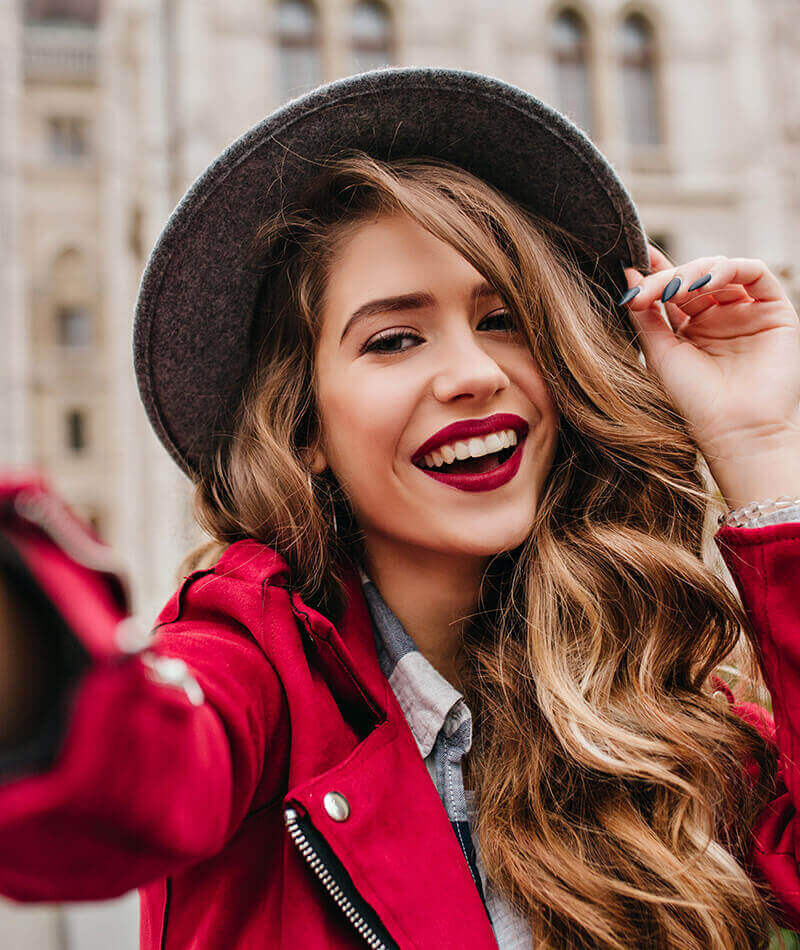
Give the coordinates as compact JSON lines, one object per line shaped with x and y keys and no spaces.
{"x":700,"y":282}
{"x":628,"y":295}
{"x":671,"y":289}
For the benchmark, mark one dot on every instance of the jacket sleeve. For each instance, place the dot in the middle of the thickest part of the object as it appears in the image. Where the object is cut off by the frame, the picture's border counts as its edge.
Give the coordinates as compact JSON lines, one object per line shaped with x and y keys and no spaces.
{"x":151,"y":759}
{"x":764,"y":563}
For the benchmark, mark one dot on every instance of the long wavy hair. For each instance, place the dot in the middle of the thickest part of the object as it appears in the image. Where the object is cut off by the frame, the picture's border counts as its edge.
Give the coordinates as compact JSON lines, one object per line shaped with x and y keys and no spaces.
{"x":613,"y":808}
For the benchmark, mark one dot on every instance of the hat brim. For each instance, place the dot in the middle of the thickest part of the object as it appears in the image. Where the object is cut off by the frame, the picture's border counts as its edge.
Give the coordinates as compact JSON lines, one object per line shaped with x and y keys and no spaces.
{"x":196,"y":301}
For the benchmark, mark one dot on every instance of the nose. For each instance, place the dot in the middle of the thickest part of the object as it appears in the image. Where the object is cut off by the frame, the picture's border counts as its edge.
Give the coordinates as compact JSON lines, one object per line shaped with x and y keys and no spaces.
{"x":467,"y":369}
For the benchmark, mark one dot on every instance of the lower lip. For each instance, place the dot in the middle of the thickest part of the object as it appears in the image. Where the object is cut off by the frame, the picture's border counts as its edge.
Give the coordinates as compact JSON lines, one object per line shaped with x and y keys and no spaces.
{"x":482,"y":481}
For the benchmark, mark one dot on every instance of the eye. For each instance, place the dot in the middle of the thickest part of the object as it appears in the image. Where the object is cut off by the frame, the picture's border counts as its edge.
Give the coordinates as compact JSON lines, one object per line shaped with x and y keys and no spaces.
{"x":502,"y":315}
{"x":379,"y":343}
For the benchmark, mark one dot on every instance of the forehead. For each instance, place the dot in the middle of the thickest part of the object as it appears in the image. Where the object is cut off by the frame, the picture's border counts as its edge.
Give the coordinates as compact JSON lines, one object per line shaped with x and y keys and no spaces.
{"x":392,"y":254}
{"x":401,"y":234}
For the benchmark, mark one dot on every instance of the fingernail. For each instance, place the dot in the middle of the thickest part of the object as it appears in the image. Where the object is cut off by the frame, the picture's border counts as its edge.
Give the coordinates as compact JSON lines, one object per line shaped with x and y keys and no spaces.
{"x":628,"y":295}
{"x":700,"y":282}
{"x":671,"y":289}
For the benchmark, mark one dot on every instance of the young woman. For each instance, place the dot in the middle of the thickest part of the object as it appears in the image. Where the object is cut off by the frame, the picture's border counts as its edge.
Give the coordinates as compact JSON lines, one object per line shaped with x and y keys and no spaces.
{"x":445,"y":673}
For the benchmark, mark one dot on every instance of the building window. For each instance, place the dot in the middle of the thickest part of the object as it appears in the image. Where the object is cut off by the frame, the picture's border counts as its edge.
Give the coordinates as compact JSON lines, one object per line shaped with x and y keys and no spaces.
{"x":74,"y":327}
{"x":62,"y":11}
{"x":76,"y":430}
{"x":299,"y":39}
{"x":569,"y":53}
{"x":636,"y":58}
{"x":71,"y":293}
{"x":370,"y":36}
{"x":68,"y":138}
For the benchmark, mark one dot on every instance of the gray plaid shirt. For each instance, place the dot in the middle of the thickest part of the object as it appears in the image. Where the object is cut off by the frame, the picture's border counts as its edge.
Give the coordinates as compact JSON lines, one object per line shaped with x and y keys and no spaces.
{"x":441,"y":724}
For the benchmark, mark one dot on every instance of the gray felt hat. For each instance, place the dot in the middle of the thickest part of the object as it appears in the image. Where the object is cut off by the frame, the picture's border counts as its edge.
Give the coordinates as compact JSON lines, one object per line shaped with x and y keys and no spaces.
{"x":195,"y":309}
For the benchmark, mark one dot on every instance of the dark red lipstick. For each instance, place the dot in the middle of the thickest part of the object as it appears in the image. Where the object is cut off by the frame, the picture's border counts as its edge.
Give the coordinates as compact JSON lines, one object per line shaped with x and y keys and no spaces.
{"x":467,"y":428}
{"x":470,"y":428}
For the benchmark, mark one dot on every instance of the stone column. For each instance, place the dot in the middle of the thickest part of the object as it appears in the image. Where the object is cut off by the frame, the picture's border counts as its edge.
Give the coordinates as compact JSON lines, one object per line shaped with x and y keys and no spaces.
{"x":761,"y":197}
{"x":15,"y":421}
{"x":162,"y":76}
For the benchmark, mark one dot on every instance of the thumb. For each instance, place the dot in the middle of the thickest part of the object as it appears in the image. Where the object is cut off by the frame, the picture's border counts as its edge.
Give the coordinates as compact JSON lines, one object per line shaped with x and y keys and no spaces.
{"x":655,"y":335}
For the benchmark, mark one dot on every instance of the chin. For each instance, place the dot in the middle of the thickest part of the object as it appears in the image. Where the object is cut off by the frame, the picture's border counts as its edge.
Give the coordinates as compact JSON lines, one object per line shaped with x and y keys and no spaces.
{"x":488,"y":546}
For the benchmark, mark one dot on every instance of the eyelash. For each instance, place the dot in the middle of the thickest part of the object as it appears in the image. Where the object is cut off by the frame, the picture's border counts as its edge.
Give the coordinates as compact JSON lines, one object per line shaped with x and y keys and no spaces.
{"x":372,"y":345}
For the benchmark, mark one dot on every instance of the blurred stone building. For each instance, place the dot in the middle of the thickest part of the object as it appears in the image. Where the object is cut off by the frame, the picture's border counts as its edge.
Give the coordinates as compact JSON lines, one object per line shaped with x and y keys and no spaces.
{"x":108,"y":112}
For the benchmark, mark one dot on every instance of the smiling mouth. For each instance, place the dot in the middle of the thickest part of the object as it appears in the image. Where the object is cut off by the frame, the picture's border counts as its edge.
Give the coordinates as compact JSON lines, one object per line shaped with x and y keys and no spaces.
{"x":471,"y":466}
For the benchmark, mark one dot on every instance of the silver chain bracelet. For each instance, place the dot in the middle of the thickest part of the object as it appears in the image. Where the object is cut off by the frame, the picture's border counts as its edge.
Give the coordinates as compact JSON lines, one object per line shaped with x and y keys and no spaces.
{"x":744,"y":516}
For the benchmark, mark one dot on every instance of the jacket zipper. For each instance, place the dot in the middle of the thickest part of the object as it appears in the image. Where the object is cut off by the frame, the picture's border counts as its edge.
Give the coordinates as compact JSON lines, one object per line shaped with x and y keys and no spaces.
{"x":337,"y":882}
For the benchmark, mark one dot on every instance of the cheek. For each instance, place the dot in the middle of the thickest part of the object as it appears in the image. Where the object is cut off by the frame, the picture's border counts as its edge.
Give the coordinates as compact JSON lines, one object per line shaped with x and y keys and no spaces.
{"x":529,"y":379}
{"x":364,"y":422}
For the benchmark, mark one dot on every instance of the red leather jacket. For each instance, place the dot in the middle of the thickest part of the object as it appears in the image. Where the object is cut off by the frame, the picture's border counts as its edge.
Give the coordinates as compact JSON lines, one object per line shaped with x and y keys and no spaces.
{"x":287,"y":805}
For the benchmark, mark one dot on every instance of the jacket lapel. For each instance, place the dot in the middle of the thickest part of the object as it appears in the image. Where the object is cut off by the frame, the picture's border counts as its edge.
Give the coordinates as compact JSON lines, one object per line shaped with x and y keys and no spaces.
{"x":397,"y":843}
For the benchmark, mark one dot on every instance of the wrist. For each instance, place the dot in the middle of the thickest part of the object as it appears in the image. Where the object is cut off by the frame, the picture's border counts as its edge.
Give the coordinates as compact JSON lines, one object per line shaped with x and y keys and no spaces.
{"x":756,"y":472}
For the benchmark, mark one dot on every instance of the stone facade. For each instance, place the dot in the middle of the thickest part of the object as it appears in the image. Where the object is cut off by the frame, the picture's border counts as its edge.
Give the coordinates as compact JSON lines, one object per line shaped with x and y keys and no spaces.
{"x":109,"y":111}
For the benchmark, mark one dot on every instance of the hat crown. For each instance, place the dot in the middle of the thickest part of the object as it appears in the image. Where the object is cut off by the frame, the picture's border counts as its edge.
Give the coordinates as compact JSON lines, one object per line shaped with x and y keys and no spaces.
{"x":196,"y":303}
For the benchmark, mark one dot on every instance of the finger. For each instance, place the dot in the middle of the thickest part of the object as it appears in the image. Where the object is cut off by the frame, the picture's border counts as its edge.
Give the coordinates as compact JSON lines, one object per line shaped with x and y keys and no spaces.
{"x":653,"y":286}
{"x":693,"y":310}
{"x":756,"y":278}
{"x":699,"y":301}
{"x":732,"y":294}
{"x":732,"y":279}
{"x":658,"y":260}
{"x":676,"y":316}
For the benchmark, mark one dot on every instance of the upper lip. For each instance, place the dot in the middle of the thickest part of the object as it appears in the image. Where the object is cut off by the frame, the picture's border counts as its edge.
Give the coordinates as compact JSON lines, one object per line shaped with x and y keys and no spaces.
{"x":466,"y":428}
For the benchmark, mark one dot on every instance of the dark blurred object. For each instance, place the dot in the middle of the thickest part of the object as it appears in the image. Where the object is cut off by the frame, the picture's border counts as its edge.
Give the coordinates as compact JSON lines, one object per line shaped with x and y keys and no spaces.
{"x":70,"y":592}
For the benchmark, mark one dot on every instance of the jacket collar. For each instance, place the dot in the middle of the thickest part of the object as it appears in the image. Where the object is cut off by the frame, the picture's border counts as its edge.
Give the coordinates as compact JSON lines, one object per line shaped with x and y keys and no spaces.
{"x":397,"y":843}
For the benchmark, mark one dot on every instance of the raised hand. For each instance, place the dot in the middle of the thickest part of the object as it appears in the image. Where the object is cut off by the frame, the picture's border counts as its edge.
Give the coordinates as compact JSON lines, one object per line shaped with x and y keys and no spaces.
{"x":729,"y":354}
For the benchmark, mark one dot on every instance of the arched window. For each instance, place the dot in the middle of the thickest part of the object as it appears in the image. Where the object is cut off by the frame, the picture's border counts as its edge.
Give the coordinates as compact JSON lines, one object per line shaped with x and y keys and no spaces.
{"x":637,"y":66}
{"x":370,"y":36}
{"x":71,"y":300}
{"x":73,"y":326}
{"x":568,"y":39}
{"x":68,"y":138}
{"x":298,"y":38}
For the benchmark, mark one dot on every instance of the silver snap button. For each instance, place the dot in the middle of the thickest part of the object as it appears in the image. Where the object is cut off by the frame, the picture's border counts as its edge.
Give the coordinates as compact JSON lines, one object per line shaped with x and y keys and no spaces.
{"x":337,"y":806}
{"x":173,"y":671}
{"x":131,"y":636}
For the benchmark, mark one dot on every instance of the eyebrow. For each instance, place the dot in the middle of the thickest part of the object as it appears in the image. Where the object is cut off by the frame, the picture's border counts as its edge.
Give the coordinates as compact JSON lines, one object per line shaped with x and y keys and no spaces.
{"x":412,"y":301}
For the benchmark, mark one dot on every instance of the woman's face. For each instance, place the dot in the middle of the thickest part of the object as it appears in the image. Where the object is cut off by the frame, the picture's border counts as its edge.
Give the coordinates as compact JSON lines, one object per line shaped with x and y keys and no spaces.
{"x":461,"y":360}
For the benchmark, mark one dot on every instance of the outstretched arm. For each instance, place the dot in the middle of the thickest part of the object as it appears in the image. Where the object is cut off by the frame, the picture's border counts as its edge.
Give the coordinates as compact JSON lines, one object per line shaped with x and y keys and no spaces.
{"x":149,"y":760}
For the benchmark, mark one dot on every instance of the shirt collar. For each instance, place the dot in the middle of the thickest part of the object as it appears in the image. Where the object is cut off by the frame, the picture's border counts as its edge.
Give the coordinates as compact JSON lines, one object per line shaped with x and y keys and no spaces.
{"x":429,"y":702}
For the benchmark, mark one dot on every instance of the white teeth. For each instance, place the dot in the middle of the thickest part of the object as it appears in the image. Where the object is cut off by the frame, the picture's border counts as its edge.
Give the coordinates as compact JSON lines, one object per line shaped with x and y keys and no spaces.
{"x":493,"y":442}
{"x":448,"y":454}
{"x":478,"y":447}
{"x":471,"y":448}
